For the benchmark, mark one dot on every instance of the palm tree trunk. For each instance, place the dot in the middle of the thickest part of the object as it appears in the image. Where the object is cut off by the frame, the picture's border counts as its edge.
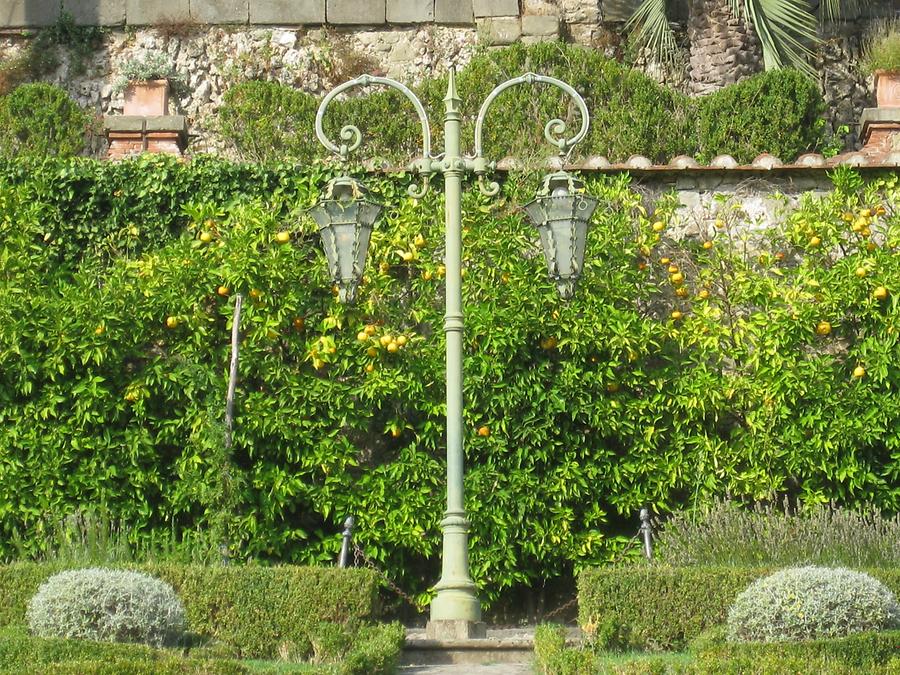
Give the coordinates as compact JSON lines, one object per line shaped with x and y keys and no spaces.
{"x":724,"y":48}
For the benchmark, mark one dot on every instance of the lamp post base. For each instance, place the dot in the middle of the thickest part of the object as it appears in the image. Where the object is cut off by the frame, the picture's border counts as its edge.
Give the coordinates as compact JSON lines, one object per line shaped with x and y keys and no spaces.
{"x":456,"y":615}
{"x":455,"y":629}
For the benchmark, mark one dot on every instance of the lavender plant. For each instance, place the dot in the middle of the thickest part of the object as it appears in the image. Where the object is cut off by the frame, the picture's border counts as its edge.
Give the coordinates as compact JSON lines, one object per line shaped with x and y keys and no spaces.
{"x":148,"y":66}
{"x":725,"y":533}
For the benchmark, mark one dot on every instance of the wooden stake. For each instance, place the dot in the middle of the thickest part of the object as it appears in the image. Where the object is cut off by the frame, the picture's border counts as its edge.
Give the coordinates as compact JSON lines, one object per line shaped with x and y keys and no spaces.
{"x":232,"y":375}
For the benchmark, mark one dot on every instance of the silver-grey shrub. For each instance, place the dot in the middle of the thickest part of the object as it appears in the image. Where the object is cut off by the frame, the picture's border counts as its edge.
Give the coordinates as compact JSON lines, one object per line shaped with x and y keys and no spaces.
{"x":107,"y":605}
{"x":807,"y":603}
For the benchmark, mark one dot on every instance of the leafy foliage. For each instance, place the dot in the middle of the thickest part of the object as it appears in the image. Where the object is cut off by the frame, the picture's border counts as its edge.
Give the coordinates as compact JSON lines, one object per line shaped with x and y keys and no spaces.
{"x":724,"y":534}
{"x":779,"y":111}
{"x":630,"y":113}
{"x":784,"y":27}
{"x":808,"y":603}
{"x":593,"y":408}
{"x":107,"y":605}
{"x":40,"y":120}
{"x":265,"y":121}
{"x":666,"y":608}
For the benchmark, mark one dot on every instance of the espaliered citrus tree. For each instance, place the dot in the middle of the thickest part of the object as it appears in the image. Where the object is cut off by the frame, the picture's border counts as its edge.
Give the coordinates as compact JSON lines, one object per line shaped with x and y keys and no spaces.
{"x":681,"y":369}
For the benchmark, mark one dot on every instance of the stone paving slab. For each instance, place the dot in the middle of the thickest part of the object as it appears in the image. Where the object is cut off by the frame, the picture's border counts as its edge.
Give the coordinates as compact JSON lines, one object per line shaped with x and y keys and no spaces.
{"x":470,"y":669}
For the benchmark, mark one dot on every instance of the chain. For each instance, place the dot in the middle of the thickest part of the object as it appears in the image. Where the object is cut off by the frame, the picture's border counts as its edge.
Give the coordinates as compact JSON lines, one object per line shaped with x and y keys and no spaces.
{"x":615,"y":561}
{"x":359,"y":554}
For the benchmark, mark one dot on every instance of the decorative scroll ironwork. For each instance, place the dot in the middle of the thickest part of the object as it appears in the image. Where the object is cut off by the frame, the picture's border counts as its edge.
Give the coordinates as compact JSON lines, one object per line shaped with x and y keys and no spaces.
{"x":554,"y":130}
{"x":350,"y":136}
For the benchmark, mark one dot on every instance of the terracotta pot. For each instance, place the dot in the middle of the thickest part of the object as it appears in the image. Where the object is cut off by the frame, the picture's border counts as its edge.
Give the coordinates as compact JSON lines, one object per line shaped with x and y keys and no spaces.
{"x":887,"y":88}
{"x":147,"y":99}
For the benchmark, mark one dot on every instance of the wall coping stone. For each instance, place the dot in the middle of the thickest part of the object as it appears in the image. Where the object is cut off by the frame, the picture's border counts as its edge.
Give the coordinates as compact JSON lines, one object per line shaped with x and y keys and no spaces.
{"x":176,"y":123}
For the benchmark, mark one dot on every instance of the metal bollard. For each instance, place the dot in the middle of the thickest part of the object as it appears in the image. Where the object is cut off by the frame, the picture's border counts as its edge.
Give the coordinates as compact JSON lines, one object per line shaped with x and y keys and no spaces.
{"x":647,"y":533}
{"x":345,"y":545}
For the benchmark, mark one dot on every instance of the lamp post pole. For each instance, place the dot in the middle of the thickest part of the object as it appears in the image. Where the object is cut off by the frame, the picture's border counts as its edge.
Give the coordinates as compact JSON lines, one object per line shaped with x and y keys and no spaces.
{"x":455,"y":609}
{"x":455,"y":601}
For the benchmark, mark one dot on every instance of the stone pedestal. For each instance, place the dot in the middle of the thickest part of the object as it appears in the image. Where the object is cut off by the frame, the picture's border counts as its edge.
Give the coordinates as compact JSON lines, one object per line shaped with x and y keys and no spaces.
{"x":130,"y":135}
{"x":455,"y":629}
{"x":880,"y":130}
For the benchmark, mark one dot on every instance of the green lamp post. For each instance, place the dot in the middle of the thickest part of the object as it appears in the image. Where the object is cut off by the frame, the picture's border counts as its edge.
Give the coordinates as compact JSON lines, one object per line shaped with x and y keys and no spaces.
{"x":561,"y":212}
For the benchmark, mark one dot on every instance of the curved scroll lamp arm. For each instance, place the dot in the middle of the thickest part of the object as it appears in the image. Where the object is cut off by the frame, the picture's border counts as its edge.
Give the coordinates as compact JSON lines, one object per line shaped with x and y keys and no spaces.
{"x":351,"y":136}
{"x":554,"y":130}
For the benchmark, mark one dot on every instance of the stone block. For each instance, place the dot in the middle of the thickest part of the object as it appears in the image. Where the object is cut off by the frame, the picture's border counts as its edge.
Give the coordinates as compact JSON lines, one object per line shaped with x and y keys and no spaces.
{"x":149,"y":12}
{"x":28,"y":13}
{"x":543,"y":25}
{"x":529,"y":40}
{"x":495,"y":7}
{"x":617,"y":10}
{"x":220,"y":11}
{"x":366,"y":12}
{"x":451,"y":630}
{"x":410,"y":11}
{"x":500,"y":31}
{"x":454,"y":12}
{"x":287,"y":12}
{"x":96,"y":12}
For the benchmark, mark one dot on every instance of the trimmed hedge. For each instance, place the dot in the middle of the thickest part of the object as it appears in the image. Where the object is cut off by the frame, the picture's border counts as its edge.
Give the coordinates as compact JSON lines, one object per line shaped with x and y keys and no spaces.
{"x":664,"y":608}
{"x":39,"y":120}
{"x":778,"y":112}
{"x":862,"y":650}
{"x":865,"y":654}
{"x":254,"y":611}
{"x":372,"y":650}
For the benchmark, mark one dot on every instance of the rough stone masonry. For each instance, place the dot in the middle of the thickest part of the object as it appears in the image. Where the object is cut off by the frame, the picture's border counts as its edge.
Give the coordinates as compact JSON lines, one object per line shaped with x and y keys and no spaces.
{"x":315,"y":44}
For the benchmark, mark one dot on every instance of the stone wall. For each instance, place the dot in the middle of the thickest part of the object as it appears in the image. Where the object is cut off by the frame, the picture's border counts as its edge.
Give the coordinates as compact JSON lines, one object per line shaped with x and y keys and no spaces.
{"x":319,"y":43}
{"x":38,"y":13}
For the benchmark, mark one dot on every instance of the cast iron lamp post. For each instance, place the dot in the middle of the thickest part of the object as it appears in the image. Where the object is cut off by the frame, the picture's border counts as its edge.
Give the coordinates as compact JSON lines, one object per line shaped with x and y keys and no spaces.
{"x":560,"y":211}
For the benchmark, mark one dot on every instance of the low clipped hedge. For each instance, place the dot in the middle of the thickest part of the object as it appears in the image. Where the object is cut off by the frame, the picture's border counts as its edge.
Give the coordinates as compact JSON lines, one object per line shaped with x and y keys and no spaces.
{"x":373,"y":650}
{"x":664,"y":608}
{"x":864,"y":653}
{"x":23,"y":653}
{"x":253,"y":611}
{"x":862,"y":650}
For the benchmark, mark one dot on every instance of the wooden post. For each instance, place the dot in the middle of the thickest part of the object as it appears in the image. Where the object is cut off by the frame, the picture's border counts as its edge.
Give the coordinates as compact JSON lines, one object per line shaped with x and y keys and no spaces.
{"x":232,"y":375}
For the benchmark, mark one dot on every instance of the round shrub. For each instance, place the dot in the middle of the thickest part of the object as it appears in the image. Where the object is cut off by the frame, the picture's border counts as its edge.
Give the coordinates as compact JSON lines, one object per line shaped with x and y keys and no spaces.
{"x":807,"y":603}
{"x":778,"y":112}
{"x":107,"y":605}
{"x":41,"y":119}
{"x":267,"y":121}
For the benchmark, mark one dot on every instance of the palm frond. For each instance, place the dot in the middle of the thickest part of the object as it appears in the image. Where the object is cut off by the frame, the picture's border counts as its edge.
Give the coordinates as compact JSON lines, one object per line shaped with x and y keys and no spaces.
{"x":786,"y":29}
{"x":650,"y":25}
{"x":836,"y":10}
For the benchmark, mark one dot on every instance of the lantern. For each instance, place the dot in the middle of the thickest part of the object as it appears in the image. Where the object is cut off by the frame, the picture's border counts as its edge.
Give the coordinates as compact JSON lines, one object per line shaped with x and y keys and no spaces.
{"x":561,"y":212}
{"x":345,"y":216}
